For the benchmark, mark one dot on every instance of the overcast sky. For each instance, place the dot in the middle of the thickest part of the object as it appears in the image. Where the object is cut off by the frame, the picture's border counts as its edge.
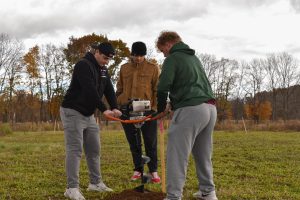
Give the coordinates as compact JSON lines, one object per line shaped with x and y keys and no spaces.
{"x":235,"y":29}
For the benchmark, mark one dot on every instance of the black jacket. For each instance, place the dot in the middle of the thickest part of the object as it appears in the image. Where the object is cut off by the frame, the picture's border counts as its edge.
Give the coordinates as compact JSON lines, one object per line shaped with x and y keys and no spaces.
{"x":88,"y":84}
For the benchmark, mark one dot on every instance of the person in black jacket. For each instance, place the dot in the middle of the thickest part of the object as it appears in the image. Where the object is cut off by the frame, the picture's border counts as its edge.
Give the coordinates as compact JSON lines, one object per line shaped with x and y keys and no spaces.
{"x":90,"y":81}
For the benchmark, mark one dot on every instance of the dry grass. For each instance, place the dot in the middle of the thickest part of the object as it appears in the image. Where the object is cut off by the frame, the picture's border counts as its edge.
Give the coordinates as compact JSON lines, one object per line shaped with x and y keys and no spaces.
{"x":228,"y":125}
{"x":5,"y":129}
{"x":232,"y":125}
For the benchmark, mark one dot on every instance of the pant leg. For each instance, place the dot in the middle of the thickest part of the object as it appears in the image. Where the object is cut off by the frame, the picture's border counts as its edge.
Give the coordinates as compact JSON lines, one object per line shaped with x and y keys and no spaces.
{"x":183,"y":131}
{"x":74,"y":124}
{"x":202,"y":152}
{"x":134,"y":139}
{"x":180,"y":140}
{"x":91,"y":144}
{"x":149,"y":131}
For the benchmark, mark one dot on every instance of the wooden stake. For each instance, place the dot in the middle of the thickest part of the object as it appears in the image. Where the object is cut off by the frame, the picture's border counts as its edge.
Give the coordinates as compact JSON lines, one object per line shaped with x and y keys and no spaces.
{"x":244,"y":124}
{"x":162,"y":156}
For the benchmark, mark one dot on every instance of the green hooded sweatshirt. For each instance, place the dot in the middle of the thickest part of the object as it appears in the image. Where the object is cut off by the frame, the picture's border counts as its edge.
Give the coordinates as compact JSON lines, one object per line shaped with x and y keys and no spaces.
{"x":184,"y":78}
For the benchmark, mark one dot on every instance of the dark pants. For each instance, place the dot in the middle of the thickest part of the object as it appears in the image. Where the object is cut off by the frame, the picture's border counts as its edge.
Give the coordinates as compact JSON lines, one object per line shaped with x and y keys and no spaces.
{"x":149,"y":132}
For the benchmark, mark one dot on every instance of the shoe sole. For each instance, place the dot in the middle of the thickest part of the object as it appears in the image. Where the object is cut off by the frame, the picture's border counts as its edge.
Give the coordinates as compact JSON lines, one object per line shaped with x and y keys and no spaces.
{"x":91,"y":190}
{"x":135,"y":179}
{"x":155,"y":182}
{"x":67,"y":196}
{"x":202,"y":198}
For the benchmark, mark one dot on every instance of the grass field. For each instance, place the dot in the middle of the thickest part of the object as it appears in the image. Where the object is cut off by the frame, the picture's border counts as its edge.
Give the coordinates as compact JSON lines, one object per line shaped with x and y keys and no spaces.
{"x":257,"y":165}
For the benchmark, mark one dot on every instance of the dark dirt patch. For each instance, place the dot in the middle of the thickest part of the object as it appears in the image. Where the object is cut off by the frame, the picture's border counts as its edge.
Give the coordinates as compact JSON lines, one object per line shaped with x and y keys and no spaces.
{"x":134,"y":195}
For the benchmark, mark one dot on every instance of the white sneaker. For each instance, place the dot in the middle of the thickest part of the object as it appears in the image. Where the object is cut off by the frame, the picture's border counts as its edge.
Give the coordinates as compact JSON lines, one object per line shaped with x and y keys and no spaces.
{"x":74,"y":194}
{"x":100,"y":187}
{"x":206,"y":196}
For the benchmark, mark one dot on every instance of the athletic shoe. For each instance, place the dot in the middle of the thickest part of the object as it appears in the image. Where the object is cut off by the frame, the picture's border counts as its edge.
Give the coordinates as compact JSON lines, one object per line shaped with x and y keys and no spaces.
{"x":136,"y":175}
{"x":206,"y":196}
{"x":155,"y":178}
{"x":74,"y":194}
{"x":100,"y":187}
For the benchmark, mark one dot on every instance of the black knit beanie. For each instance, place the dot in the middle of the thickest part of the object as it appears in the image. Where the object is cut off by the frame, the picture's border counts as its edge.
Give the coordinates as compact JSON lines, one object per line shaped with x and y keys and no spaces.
{"x":138,"y":49}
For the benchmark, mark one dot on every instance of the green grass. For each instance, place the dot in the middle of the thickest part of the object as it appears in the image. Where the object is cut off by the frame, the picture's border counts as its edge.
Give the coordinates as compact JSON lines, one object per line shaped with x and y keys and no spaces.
{"x":257,"y":165}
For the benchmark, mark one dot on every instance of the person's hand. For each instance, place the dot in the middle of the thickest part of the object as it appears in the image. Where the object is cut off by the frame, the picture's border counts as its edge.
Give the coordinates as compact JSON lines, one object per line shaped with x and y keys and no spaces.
{"x":108,"y":113}
{"x":117,"y":113}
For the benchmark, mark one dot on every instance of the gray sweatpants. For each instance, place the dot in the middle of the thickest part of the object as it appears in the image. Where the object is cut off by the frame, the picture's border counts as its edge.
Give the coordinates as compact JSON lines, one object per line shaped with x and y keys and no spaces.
{"x":190,"y":131}
{"x":81,"y":132}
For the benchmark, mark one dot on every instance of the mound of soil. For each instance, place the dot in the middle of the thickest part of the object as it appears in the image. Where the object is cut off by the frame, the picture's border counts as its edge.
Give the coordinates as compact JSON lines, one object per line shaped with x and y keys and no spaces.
{"x":134,"y":195}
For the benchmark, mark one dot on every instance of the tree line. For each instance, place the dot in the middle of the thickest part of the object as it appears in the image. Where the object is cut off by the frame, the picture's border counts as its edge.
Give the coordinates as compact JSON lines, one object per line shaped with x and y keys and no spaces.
{"x":33,"y":83}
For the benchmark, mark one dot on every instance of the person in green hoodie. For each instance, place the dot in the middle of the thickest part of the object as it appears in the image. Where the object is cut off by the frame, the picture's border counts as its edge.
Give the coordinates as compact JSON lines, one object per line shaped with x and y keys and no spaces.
{"x":192,"y":101}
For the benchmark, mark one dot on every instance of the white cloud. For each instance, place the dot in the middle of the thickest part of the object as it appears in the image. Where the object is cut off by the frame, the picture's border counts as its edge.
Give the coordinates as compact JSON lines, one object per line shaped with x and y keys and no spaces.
{"x":295,"y":4}
{"x":240,"y":29}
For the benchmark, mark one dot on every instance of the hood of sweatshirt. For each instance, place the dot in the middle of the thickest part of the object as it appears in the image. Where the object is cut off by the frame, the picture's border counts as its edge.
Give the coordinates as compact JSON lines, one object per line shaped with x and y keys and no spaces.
{"x":183,"y":48}
{"x":89,"y":56}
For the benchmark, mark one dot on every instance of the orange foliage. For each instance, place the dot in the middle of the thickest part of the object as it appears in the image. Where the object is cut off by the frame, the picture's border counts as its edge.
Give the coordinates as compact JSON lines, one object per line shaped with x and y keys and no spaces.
{"x":258,"y":111}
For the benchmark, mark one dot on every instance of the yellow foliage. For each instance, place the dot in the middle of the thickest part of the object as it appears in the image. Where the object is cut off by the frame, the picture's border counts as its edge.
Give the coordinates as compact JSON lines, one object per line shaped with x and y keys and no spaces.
{"x":31,"y":60}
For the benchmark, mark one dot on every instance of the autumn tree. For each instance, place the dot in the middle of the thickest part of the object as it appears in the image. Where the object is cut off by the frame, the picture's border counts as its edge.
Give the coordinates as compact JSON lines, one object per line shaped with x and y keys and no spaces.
{"x":258,"y":111}
{"x":265,"y":110}
{"x":254,"y":77}
{"x":224,"y":78}
{"x":271,"y":81}
{"x":27,"y":106}
{"x":31,"y":61}
{"x":224,"y":109}
{"x":222,"y":75}
{"x":77,"y":47}
{"x":53,"y":70}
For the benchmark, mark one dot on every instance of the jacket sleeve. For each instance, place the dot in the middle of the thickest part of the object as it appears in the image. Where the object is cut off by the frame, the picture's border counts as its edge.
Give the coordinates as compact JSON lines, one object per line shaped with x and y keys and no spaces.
{"x":110,"y":94}
{"x":166,"y":79}
{"x":154,"y":84}
{"x":102,"y":107}
{"x":120,"y":84}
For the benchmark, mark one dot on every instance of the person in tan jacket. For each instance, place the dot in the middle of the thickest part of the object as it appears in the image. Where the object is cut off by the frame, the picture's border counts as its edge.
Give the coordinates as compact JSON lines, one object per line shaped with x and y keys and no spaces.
{"x":138,"y":79}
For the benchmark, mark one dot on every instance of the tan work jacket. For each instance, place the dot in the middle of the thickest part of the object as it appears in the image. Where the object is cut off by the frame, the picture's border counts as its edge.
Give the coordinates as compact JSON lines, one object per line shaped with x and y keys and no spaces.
{"x":138,"y":81}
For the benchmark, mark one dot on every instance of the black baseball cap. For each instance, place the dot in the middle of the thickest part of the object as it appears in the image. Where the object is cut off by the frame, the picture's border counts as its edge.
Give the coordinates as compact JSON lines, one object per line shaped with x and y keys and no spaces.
{"x":105,"y":48}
